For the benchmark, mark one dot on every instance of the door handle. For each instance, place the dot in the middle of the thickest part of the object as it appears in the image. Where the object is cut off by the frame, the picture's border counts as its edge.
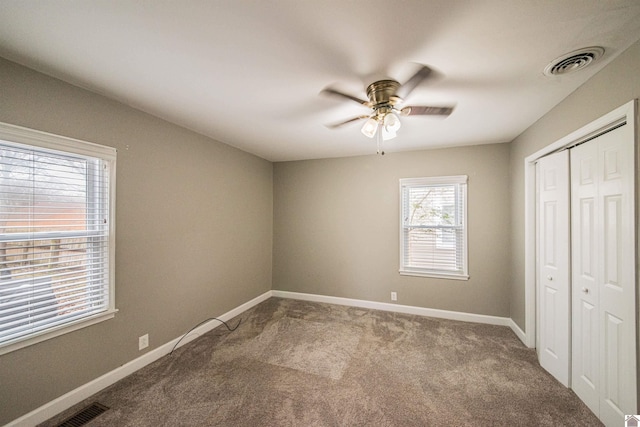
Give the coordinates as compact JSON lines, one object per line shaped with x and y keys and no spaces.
{"x":549,"y":278}
{"x":585,"y":290}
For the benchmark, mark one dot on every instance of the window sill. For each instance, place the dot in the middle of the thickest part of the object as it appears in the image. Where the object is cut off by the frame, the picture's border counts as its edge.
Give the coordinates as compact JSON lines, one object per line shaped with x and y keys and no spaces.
{"x":17,"y":344}
{"x":434,"y":275}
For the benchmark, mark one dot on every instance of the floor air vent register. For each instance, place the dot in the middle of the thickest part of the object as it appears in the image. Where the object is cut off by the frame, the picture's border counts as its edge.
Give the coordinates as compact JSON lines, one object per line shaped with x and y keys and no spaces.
{"x":84,"y":415}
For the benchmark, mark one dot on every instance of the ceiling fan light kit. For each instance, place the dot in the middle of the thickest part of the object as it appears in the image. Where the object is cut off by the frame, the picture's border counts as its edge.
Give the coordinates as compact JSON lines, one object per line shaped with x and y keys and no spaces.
{"x":384,"y":98}
{"x":387,"y":120}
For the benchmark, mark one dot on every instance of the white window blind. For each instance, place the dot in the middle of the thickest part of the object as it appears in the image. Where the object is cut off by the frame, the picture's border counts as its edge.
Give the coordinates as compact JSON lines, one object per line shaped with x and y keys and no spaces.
{"x":55,"y":239}
{"x":433,"y":235}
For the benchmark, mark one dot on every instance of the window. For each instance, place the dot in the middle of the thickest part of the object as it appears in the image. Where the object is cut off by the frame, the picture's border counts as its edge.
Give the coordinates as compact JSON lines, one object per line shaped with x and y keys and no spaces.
{"x":56,"y":235}
{"x":433,"y":232}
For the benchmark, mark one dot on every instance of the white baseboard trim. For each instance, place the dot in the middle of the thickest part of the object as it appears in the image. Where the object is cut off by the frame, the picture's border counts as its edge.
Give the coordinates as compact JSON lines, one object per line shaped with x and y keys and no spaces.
{"x":77,"y":395}
{"x":519,"y":332}
{"x":407,"y":309}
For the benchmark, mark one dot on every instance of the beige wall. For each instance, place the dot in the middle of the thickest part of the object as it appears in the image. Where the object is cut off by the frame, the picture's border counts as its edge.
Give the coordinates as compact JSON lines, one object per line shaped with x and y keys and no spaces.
{"x":336,"y":228}
{"x":332,"y":225}
{"x":615,"y":85}
{"x":194,"y":234}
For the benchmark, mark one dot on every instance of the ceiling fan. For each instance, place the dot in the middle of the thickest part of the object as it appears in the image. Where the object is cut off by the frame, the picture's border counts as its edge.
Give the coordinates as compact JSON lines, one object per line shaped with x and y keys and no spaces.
{"x":385,"y":100}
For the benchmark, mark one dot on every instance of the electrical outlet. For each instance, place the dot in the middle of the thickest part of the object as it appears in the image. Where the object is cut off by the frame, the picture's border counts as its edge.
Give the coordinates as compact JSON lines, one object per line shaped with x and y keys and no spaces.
{"x":394,"y":296}
{"x":143,"y":342}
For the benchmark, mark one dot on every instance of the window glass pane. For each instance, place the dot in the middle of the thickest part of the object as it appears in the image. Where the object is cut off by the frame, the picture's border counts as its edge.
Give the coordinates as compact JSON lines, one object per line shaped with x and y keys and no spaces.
{"x":445,"y":239}
{"x":431,"y":205}
{"x":54,"y":240}
{"x":42,"y":192}
{"x":433,"y":234}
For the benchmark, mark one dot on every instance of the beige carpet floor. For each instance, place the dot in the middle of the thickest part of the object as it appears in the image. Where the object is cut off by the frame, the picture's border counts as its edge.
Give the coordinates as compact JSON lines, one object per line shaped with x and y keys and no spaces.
{"x":296,"y":363}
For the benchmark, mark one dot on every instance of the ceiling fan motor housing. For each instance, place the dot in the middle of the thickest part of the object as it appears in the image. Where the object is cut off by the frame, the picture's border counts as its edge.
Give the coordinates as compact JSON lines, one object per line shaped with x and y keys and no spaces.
{"x":383,"y":93}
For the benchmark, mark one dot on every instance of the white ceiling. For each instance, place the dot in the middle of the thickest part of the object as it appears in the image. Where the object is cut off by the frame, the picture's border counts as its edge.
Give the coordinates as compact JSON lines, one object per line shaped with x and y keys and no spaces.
{"x":248,"y":72}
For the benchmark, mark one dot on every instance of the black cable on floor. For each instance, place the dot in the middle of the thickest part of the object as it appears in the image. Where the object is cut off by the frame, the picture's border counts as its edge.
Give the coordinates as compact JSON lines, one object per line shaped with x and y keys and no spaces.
{"x":202,"y":323}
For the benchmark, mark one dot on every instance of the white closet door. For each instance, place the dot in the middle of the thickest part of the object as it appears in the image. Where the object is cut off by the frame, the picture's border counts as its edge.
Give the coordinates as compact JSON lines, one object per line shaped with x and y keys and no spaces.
{"x":553,"y":265}
{"x":585,"y":358}
{"x":603,"y":284}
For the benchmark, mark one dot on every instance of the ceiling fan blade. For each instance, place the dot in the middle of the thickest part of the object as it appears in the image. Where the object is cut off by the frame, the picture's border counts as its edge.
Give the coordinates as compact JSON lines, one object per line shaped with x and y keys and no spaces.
{"x":346,"y":122}
{"x":413,"y":110}
{"x":330,"y":91}
{"x":408,"y":87}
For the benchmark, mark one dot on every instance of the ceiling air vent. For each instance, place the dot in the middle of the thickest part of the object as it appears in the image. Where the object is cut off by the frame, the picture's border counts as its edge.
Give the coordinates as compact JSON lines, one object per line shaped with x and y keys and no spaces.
{"x":574,"y":61}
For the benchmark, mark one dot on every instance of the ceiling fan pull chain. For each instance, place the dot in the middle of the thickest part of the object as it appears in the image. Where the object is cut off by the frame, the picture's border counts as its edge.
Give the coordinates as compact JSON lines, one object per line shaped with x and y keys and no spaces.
{"x":379,"y":143}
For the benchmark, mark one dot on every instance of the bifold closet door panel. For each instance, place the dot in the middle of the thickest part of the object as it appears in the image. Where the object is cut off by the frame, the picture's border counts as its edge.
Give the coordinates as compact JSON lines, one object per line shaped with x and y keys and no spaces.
{"x":553,"y":265}
{"x":603,"y":275}
{"x":585,"y":343}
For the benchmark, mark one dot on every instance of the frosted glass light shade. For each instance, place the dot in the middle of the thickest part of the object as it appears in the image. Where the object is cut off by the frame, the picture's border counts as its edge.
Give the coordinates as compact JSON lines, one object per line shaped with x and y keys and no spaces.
{"x":391,"y":123}
{"x":370,"y":127}
{"x":386,"y":135}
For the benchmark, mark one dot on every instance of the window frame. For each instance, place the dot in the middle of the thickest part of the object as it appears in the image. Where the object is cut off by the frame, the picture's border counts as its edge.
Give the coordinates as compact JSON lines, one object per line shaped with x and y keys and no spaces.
{"x":462,"y":181}
{"x":21,"y":136}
